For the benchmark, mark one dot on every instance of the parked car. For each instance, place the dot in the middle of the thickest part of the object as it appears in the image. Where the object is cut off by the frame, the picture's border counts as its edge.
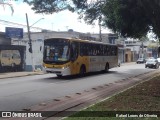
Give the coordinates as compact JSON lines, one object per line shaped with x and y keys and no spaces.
{"x":149,"y":58}
{"x":158,"y":60}
{"x":152,"y":63}
{"x":10,"y":58}
{"x":141,"y":60}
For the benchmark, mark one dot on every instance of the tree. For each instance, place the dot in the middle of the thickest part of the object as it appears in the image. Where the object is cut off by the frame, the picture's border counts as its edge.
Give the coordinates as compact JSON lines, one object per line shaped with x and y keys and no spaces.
{"x":128,"y":18}
{"x":8,"y":4}
{"x":90,"y":10}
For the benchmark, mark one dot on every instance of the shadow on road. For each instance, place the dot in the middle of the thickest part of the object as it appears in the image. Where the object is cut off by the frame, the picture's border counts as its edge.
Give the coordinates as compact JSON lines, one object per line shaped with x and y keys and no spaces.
{"x":87,"y":75}
{"x":119,"y":73}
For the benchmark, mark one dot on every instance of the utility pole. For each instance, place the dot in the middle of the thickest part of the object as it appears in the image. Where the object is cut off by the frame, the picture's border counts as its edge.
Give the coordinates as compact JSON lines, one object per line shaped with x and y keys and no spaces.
{"x":142,"y":50}
{"x":30,"y":43}
{"x":29,"y":35}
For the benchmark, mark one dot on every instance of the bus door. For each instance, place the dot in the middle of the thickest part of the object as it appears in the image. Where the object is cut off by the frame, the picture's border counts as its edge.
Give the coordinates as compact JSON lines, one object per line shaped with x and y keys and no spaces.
{"x":75,"y":65}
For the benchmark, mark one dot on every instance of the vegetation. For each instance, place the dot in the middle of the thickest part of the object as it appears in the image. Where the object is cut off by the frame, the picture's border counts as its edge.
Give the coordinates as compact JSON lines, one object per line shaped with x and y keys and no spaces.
{"x":2,"y":3}
{"x":143,"y":97}
{"x":129,"y":18}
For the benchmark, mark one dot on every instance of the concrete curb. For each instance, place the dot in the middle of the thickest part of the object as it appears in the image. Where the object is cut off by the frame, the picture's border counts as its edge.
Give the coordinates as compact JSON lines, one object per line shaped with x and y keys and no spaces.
{"x":128,"y":63}
{"x":18,"y":74}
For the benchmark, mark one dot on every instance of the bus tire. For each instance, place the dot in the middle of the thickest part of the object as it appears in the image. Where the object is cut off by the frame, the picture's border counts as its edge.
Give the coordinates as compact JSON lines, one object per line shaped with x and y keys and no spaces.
{"x":82,"y":70}
{"x":59,"y":76}
{"x":106,"y":68}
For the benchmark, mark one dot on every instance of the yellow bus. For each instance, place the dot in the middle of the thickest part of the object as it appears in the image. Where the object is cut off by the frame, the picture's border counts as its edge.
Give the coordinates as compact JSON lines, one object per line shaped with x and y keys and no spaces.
{"x":69,"y":56}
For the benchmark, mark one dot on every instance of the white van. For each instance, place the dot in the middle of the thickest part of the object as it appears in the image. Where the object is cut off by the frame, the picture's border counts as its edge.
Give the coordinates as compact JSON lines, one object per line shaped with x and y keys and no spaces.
{"x":10,"y":58}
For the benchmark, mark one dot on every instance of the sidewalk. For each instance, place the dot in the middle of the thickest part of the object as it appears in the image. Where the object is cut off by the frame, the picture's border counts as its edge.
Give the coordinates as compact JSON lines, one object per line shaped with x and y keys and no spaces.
{"x":19,"y":74}
{"x":128,"y":63}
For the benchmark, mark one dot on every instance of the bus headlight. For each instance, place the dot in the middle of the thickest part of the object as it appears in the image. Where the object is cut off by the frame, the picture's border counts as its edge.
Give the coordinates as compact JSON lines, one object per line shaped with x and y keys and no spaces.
{"x":44,"y":65}
{"x":65,"y":67}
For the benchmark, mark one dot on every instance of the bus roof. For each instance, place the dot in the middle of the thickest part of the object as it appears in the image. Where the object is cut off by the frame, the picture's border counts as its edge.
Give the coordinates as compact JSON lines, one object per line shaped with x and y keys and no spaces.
{"x":81,"y":40}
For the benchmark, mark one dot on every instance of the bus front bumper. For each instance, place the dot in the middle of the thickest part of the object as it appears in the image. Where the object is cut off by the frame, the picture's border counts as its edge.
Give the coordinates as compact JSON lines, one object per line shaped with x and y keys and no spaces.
{"x":57,"y":71}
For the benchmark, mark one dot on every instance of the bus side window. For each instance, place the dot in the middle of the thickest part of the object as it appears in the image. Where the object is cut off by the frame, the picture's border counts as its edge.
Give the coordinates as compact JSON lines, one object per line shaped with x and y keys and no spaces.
{"x":115,"y":50}
{"x":94,"y":50}
{"x":74,"y":51}
{"x":87,"y":49}
{"x":103,"y":53}
{"x":82,"y":49}
{"x":111,"y":51}
{"x":107,"y":50}
{"x":90,"y":51}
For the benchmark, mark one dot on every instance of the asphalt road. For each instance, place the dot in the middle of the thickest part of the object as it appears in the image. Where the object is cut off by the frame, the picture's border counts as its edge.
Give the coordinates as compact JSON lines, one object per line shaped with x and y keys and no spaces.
{"x":23,"y":92}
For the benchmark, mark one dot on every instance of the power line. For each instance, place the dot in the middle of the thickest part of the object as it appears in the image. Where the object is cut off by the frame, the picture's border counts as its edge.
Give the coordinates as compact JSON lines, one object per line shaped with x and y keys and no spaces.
{"x":4,"y":22}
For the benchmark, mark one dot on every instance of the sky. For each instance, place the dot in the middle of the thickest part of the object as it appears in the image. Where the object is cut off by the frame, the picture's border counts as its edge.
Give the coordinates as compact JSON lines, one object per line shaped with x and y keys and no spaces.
{"x":61,"y":21}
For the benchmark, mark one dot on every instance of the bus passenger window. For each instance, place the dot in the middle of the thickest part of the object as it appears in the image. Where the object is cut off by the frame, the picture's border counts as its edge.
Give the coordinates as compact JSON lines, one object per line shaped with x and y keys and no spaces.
{"x":107,"y":50}
{"x":89,"y":50}
{"x":74,"y":51}
{"x":82,"y":49}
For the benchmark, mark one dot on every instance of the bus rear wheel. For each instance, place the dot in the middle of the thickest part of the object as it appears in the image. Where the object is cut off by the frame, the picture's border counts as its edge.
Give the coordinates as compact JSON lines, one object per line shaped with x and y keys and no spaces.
{"x":106,"y":68}
{"x":59,"y":76}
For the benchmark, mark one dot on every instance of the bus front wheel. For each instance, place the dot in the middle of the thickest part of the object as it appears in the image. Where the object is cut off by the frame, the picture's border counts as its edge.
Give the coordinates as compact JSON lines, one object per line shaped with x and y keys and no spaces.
{"x":82,"y":71}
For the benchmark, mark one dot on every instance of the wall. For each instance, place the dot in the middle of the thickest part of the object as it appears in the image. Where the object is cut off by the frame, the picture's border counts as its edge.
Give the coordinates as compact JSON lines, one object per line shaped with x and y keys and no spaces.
{"x":37,"y":59}
{"x":121,"y":55}
{"x":128,"y":55}
{"x":4,"y":40}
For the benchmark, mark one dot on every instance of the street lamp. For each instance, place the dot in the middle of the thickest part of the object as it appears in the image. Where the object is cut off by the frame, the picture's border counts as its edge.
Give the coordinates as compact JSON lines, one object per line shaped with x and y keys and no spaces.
{"x":30,"y":41}
{"x":36,"y":22}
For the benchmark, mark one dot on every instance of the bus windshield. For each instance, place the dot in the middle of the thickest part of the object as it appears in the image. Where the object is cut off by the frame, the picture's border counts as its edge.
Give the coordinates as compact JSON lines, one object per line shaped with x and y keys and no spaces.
{"x":56,"y":51}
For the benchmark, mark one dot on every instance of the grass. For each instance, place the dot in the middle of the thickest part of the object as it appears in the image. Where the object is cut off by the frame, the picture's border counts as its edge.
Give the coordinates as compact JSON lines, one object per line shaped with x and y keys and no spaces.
{"x":142,"y":97}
